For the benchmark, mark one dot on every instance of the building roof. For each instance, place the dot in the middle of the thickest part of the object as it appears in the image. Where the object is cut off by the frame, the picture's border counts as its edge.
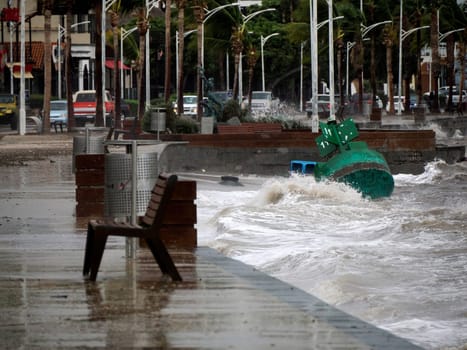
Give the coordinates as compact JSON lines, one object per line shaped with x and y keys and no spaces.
{"x":34,"y":53}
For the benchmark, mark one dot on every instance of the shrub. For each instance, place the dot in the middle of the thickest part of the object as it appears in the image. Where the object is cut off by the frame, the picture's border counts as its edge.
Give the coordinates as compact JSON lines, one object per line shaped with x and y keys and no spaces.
{"x":232,"y":109}
{"x":186,"y":125}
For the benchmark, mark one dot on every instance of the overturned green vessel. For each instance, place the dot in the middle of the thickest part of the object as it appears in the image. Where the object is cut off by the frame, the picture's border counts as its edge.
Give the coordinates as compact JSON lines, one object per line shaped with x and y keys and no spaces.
{"x":352,"y":162}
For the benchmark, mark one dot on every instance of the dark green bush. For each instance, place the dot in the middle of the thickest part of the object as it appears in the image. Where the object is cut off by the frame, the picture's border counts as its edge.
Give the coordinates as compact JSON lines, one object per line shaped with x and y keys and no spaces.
{"x":179,"y":125}
{"x":186,"y":125}
{"x":232,"y":109}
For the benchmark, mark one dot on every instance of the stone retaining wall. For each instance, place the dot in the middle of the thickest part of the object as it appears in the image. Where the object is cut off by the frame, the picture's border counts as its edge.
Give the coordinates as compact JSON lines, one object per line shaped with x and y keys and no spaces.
{"x":406,"y":151}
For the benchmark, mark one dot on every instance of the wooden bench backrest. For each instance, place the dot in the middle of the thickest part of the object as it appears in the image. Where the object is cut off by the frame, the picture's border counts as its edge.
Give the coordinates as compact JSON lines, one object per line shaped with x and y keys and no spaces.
{"x":160,"y":197}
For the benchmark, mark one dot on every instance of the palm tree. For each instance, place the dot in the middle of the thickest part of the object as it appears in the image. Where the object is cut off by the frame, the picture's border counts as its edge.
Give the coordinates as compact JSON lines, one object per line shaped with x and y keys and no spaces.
{"x":47,"y":66}
{"x":181,"y":45}
{"x":237,"y":49}
{"x":168,"y":51}
{"x":461,"y":57}
{"x":142,"y":23}
{"x":115,"y":23}
{"x":199,"y":15}
{"x":390,"y":37}
{"x":434,"y":43}
{"x":252,"y":58}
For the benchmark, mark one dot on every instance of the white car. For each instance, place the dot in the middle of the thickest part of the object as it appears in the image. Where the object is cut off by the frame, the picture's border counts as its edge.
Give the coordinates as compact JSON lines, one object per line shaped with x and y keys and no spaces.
{"x":263,"y":103}
{"x":190,"y":106}
{"x":396,"y":104}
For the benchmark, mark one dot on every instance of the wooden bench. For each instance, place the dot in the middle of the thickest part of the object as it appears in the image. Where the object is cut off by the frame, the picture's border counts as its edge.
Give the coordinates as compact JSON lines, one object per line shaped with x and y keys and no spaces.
{"x":249,"y":128}
{"x":148,"y":230}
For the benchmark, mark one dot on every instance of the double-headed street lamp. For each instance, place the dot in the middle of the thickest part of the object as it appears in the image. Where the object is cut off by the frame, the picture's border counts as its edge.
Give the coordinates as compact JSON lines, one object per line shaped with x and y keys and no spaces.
{"x":263,"y":42}
{"x":246,"y":19}
{"x":150,"y":4}
{"x":209,"y":14}
{"x":123,"y":35}
{"x":314,"y":26}
{"x":62,"y":31}
{"x":402,"y":35}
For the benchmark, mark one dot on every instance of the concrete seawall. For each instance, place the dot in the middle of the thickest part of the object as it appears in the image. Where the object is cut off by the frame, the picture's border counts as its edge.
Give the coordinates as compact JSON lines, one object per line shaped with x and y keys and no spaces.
{"x":406,"y":151}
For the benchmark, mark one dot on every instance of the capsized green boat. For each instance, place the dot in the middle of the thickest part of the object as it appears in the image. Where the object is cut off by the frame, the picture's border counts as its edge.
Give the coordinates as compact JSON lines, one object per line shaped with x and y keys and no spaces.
{"x":353,"y":162}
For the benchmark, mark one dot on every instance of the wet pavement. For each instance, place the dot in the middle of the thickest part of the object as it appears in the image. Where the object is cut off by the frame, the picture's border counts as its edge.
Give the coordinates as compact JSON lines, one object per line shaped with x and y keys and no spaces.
{"x":45,"y":303}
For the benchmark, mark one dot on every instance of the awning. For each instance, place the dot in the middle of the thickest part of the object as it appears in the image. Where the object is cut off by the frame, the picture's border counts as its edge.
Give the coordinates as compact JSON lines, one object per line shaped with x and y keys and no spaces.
{"x":110,"y":64}
{"x":17,"y":70}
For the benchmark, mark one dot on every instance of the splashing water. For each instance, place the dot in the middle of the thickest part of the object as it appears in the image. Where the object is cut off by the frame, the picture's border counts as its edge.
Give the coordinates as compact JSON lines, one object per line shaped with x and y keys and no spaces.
{"x":399,"y":262}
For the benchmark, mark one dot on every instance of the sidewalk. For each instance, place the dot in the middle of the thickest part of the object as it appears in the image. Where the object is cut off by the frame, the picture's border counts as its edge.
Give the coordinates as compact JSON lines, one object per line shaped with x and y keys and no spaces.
{"x":46,"y":304}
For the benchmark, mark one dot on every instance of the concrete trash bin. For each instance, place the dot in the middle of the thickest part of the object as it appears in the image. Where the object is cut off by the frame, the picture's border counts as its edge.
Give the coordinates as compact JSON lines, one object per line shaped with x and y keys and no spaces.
{"x":118,"y":183}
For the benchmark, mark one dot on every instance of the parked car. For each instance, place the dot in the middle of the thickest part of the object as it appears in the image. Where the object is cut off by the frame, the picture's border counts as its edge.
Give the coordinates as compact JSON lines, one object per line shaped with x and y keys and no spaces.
{"x":368,"y":103}
{"x":443,"y":94}
{"x":324,"y":105}
{"x":190,"y":106}
{"x":59,"y":112}
{"x":263,"y":102}
{"x":396,"y":104}
{"x":8,"y":110}
{"x":84,"y":106}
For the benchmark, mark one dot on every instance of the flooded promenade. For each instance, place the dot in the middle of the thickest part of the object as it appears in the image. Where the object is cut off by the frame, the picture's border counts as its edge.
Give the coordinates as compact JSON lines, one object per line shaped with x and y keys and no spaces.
{"x":222,"y":303}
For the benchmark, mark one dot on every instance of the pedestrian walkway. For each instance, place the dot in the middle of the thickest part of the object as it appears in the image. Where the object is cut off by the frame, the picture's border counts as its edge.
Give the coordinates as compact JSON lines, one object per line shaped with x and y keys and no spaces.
{"x":221,"y":303}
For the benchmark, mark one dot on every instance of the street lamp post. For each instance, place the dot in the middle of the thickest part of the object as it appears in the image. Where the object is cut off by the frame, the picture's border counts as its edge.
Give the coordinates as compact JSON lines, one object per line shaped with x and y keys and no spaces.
{"x":263,"y":42}
{"x":332,"y":112}
{"x":314,"y":63}
{"x":123,"y":35}
{"x":402,"y":35}
{"x":62,"y":31}
{"x":246,"y":19}
{"x":314,"y":26}
{"x":365,"y":30}
{"x":106,"y":4}
{"x":209,"y":14}
{"x":22,"y":109}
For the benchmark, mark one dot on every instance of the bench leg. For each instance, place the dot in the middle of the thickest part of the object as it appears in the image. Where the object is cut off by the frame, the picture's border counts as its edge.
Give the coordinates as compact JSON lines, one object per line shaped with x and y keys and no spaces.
{"x":98,"y":246}
{"x":163,"y":258}
{"x":88,"y":250}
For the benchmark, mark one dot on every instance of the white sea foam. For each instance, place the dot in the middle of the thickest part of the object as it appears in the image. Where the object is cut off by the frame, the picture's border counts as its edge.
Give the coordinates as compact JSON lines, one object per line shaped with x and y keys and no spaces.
{"x":399,"y":262}
{"x":431,"y":172}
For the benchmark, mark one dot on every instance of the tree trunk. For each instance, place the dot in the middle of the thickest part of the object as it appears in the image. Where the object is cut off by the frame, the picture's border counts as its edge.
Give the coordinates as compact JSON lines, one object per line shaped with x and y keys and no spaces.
{"x":390,"y":76}
{"x":181,"y":47}
{"x":252,"y":59}
{"x":143,"y":28}
{"x":168,"y":52}
{"x":450,"y":69}
{"x":115,"y":21}
{"x":435,"y":65}
{"x":47,"y":69}
{"x":460,"y":107}
{"x":199,"y":15}
{"x":237,"y":48}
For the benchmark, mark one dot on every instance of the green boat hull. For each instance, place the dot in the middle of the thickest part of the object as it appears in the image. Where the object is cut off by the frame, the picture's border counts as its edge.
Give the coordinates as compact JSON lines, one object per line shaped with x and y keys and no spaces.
{"x":361,"y":168}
